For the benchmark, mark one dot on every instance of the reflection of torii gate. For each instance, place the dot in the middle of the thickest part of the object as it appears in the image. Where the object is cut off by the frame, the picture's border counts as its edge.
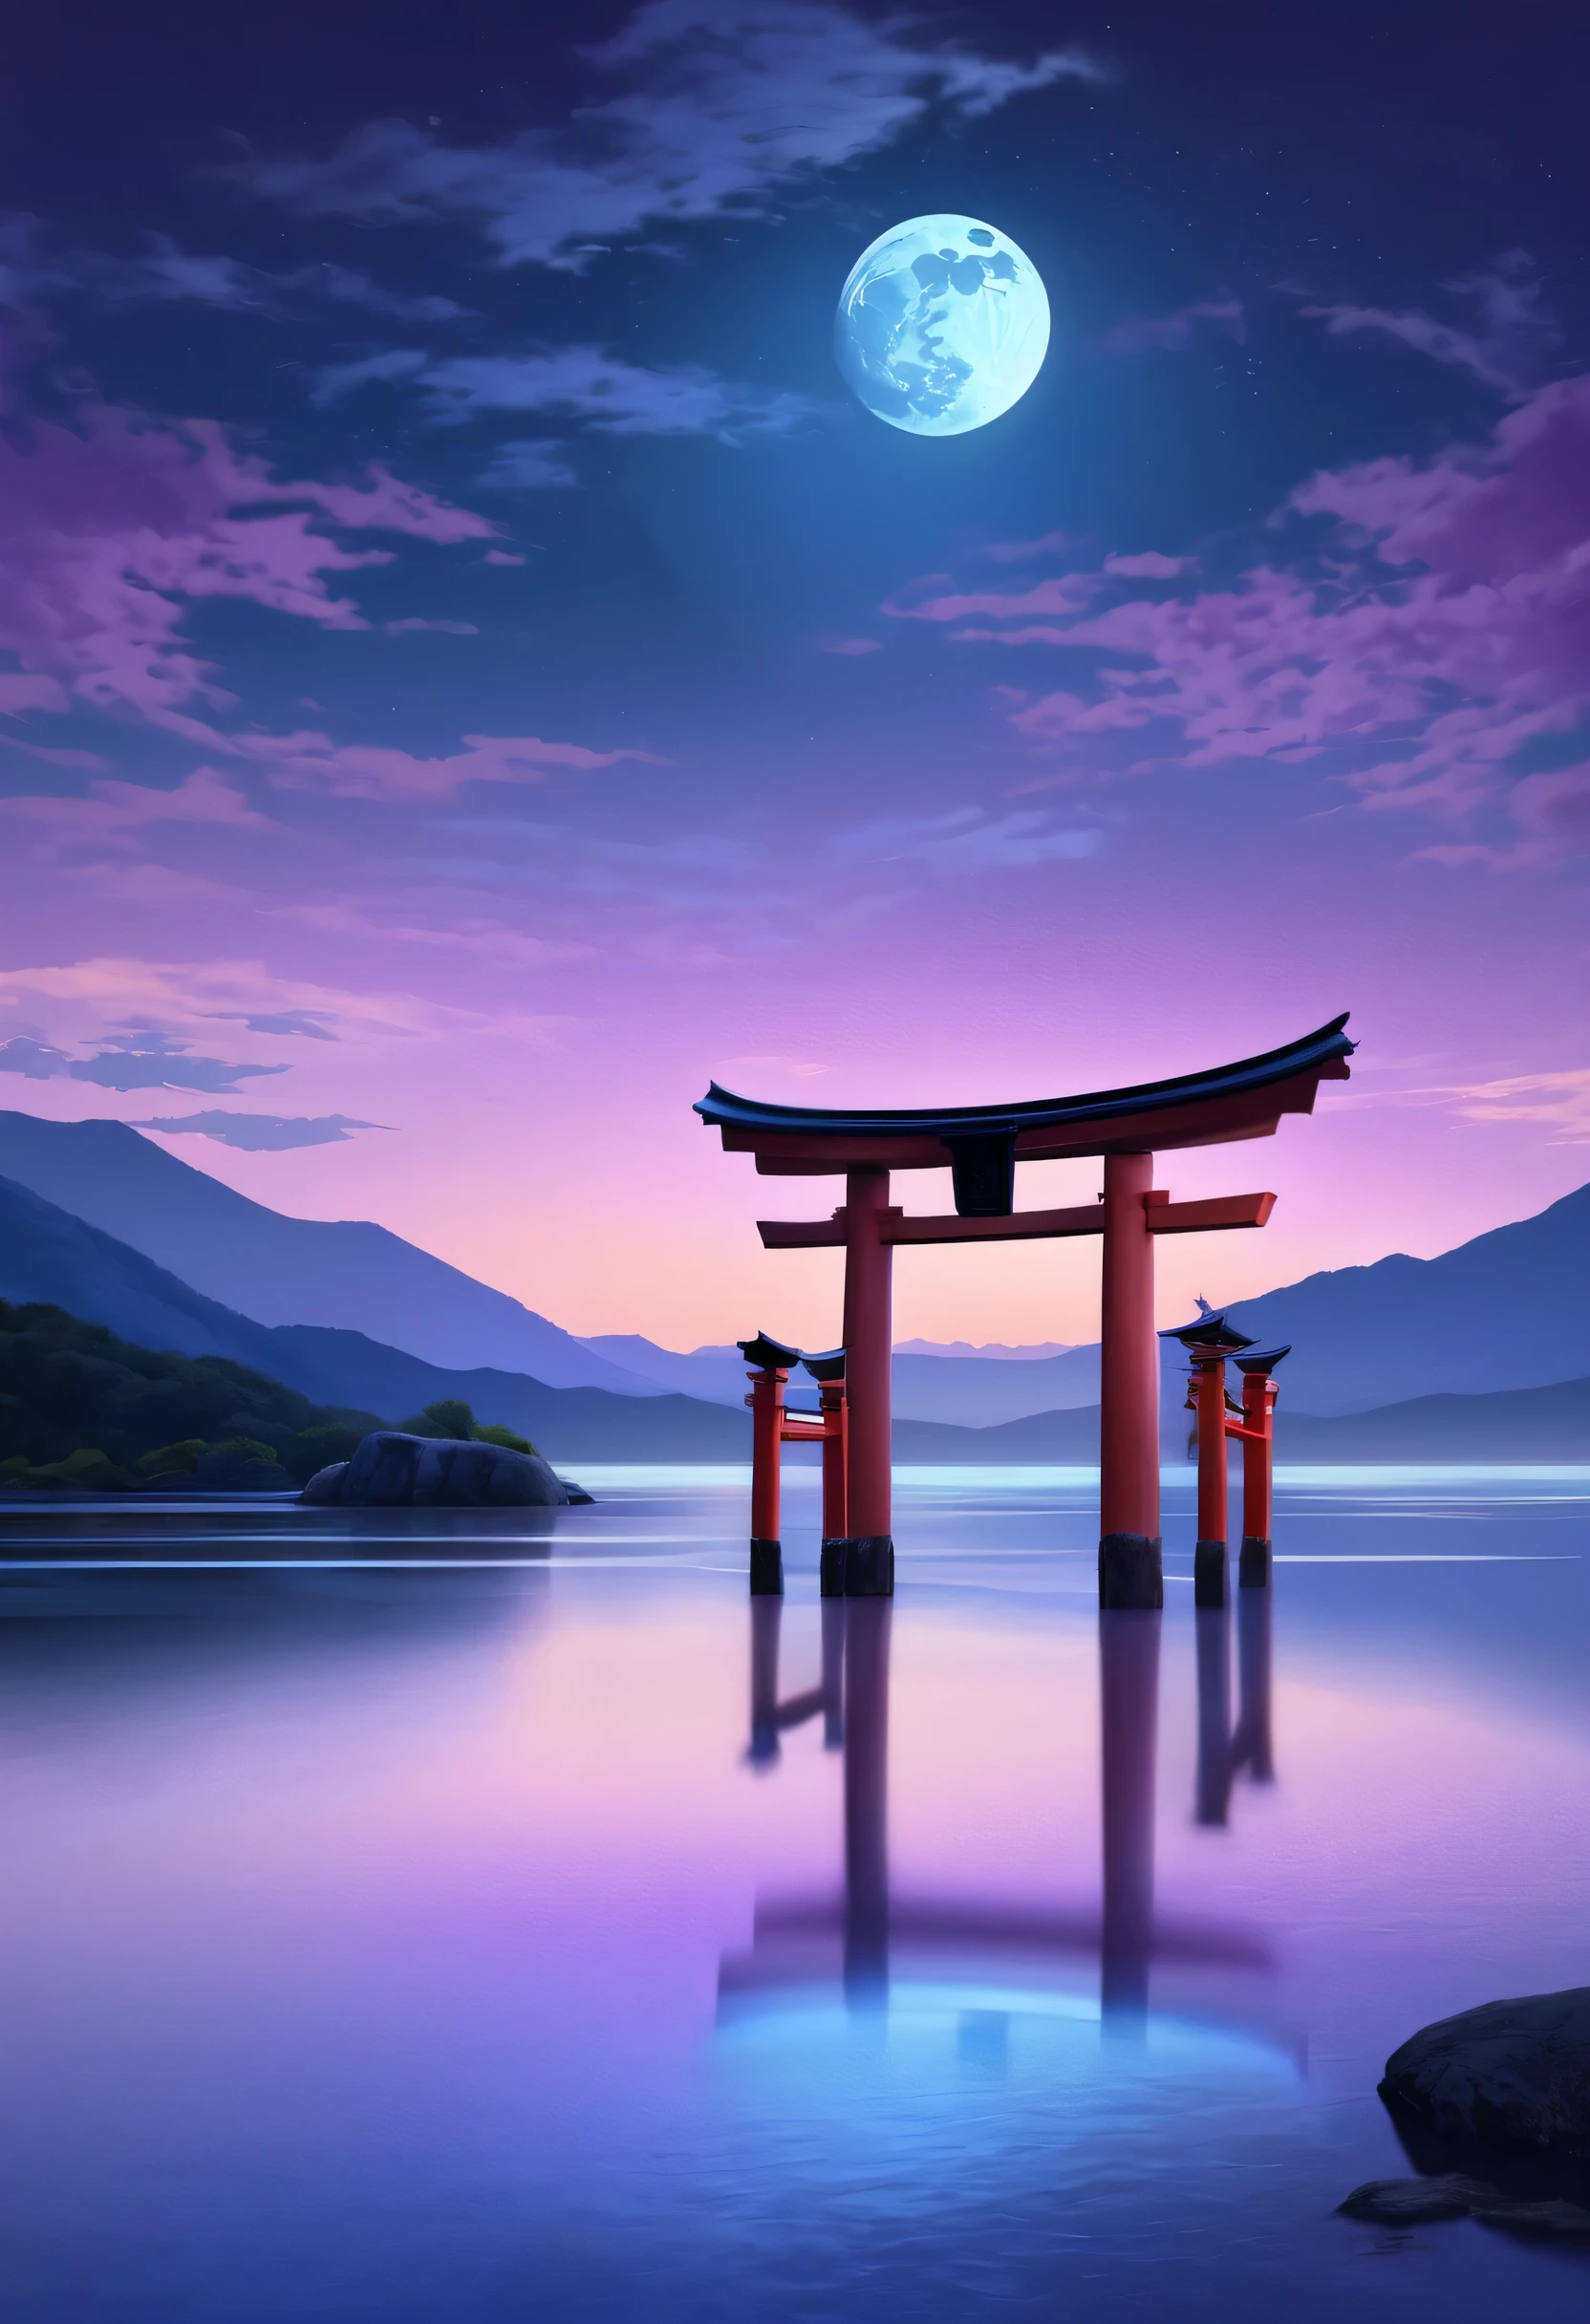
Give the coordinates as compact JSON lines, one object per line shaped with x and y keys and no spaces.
{"x":793,"y":1943}
{"x":980,"y":1145}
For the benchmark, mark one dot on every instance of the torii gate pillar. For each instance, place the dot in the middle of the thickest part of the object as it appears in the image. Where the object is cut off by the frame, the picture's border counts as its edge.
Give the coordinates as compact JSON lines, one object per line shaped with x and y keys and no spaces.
{"x":868,"y":1345}
{"x":1130,"y":1568}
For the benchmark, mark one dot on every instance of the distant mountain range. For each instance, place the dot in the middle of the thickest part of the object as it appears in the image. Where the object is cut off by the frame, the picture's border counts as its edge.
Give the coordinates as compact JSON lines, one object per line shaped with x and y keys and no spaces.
{"x":1549,"y":1425}
{"x":1507,"y":1310}
{"x":975,"y":1392}
{"x":97,"y":1220}
{"x":346,"y":1274}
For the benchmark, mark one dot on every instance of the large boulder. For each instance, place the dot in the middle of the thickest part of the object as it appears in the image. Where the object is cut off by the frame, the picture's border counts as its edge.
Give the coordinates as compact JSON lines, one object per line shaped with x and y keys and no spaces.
{"x":394,"y":1471}
{"x":1511,"y":2076}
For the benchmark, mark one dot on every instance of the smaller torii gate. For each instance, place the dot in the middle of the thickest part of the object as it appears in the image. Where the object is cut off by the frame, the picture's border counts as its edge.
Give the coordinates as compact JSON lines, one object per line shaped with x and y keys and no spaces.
{"x":980,"y":1146}
{"x":1209,"y":1341}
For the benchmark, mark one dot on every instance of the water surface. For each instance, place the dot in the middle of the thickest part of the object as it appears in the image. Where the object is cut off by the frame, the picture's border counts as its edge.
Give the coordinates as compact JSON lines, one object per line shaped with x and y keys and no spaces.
{"x":504,"y":1918}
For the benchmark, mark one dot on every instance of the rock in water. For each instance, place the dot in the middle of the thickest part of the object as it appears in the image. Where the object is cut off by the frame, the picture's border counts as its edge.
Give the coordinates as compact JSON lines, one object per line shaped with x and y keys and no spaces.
{"x":1552,"y":2218}
{"x":325,"y":1487}
{"x":392,"y":1471}
{"x":1512,"y":2075}
{"x":1404,"y":2203}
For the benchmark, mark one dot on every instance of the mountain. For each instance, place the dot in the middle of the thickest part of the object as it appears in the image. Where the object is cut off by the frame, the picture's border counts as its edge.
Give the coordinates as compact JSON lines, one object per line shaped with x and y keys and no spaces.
{"x":48,"y":1256}
{"x":972,"y":1391}
{"x":1549,"y":1425}
{"x":1508,"y":1310}
{"x":716,"y":1373}
{"x":566,"y":1424}
{"x":1511,"y":1423}
{"x":991,"y":1351}
{"x":345,"y":1274}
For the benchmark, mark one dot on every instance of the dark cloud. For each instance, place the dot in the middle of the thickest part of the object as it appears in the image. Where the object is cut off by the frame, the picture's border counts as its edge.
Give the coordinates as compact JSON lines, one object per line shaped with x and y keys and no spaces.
{"x":671,"y":145}
{"x":583,"y":384}
{"x":1506,"y":336}
{"x":143,"y":1040}
{"x":143,"y":1071}
{"x":258,"y":1134}
{"x":34,"y":1057}
{"x":312,"y":1023}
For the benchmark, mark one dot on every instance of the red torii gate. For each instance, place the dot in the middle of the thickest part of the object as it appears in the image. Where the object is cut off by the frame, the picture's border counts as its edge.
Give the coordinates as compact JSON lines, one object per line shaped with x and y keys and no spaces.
{"x":980,"y":1145}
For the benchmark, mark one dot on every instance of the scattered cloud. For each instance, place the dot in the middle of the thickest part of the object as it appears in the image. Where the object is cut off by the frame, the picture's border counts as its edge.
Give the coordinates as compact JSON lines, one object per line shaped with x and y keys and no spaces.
{"x":1560,"y":1101}
{"x":1021,"y":552}
{"x":967,"y":839}
{"x":527,"y":463}
{"x":1060,"y":595}
{"x":19,"y":692}
{"x":583,"y":384}
{"x":166,"y":1003}
{"x":416,"y":621}
{"x":486,"y":939}
{"x":851,"y":646}
{"x":1150,"y":566}
{"x":36,"y":1059}
{"x":112,"y":812}
{"x":261,"y":1132}
{"x":1439,"y":639}
{"x":1141,"y":333}
{"x":352,"y":288}
{"x":309,"y":1025}
{"x":721,"y":104}
{"x":36,"y":262}
{"x":159,"y":1069}
{"x":309,"y":761}
{"x":1505,"y":343}
{"x":116,"y":524}
{"x":339,"y":380}
{"x":502,"y":556}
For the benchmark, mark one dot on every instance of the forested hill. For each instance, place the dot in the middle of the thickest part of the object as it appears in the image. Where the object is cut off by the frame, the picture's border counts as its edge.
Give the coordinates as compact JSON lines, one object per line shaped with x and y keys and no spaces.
{"x":80,"y":1407}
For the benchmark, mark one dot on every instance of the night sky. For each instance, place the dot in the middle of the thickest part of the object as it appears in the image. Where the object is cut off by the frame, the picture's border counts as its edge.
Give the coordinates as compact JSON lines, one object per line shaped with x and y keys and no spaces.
{"x":470,"y":671}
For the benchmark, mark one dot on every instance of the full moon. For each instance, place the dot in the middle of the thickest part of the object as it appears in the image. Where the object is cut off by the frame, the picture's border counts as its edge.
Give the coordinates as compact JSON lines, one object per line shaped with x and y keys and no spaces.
{"x":943,"y":324}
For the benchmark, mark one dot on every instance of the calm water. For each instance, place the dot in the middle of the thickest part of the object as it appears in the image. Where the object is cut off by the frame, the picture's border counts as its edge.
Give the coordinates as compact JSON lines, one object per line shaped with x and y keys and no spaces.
{"x":511,"y":1927}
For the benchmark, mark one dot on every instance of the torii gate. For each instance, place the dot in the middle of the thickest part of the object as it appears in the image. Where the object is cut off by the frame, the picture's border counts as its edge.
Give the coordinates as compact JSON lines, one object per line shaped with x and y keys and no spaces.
{"x":980,"y":1145}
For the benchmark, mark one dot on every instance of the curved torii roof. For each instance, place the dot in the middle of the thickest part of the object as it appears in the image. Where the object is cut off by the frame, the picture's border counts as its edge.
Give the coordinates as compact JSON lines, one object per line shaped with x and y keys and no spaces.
{"x":1245,"y":1100}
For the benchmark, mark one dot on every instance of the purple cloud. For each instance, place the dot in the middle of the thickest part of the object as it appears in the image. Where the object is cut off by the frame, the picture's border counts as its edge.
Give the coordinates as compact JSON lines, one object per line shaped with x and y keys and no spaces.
{"x":822,"y":86}
{"x":40,"y":1063}
{"x":1150,"y":566}
{"x":156,"y":1069}
{"x":255,"y":1133}
{"x":113,"y":813}
{"x":1449,"y":635}
{"x":367,"y":770}
{"x":113,"y":527}
{"x":968,"y":840}
{"x":311,"y":1024}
